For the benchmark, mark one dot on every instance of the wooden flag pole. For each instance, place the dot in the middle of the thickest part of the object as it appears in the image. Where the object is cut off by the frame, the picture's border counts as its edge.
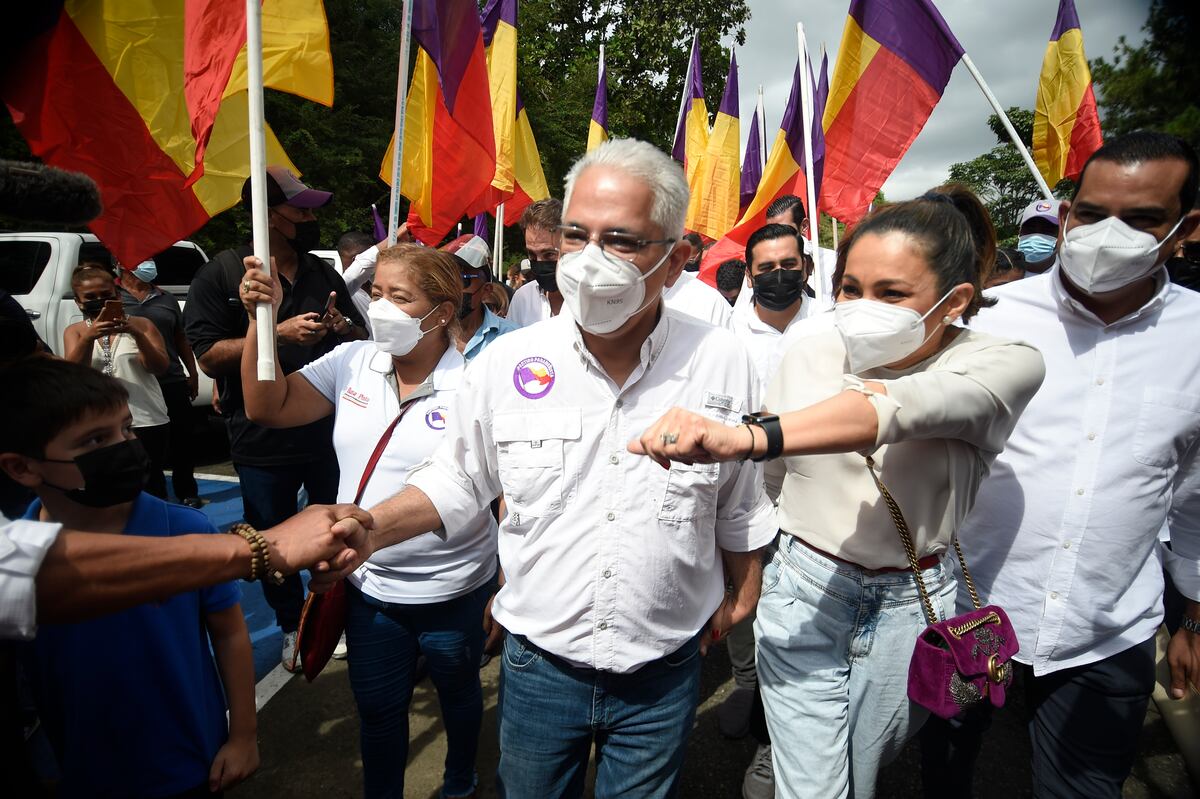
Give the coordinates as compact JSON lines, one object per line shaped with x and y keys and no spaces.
{"x":264,"y":312}
{"x":1008,"y":126}
{"x":806,"y":115}
{"x":401,"y":103}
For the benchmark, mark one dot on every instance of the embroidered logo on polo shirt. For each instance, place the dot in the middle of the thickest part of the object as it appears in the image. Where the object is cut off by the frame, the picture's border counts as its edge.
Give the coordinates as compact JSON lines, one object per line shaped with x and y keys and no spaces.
{"x":436,"y":418}
{"x":533,"y":377}
{"x":355,"y":398}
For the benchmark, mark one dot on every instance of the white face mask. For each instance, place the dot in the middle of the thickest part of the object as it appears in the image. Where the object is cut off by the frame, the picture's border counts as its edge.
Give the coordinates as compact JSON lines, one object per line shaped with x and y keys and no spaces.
{"x":878,"y":333}
{"x":394,"y":331}
{"x":602,"y":291}
{"x":1109,"y":255}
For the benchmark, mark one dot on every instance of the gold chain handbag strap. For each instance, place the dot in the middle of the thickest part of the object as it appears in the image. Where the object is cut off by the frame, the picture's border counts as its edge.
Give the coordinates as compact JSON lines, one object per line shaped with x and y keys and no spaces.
{"x":911,"y":551}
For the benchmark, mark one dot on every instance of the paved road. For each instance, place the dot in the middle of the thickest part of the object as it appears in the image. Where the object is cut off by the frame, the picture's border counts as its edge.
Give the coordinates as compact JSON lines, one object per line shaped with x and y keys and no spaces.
{"x":309,"y":732}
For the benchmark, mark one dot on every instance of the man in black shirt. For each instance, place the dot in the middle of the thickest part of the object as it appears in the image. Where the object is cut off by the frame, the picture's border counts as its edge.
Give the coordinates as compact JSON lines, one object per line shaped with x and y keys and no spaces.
{"x":272,"y":465}
{"x":142,"y":297}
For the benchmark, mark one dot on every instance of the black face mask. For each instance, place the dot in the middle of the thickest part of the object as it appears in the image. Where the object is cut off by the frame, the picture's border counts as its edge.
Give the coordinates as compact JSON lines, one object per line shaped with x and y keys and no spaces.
{"x":692,"y":266}
{"x":92,"y":308}
{"x":111,"y":475}
{"x":466,"y":306}
{"x":778,"y":289}
{"x":545,"y":272}
{"x":308,"y":236}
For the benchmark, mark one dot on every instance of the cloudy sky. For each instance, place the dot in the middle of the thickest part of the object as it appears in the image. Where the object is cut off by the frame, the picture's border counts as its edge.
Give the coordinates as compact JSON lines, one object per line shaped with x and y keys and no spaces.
{"x":1005,"y":38}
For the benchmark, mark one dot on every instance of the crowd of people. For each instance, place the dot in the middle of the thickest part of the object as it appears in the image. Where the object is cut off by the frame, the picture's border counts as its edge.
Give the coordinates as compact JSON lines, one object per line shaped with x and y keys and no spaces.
{"x":597,"y":467}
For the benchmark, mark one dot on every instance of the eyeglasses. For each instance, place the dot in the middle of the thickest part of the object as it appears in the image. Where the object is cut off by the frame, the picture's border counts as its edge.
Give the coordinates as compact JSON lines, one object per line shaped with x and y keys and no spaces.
{"x":620,"y":244}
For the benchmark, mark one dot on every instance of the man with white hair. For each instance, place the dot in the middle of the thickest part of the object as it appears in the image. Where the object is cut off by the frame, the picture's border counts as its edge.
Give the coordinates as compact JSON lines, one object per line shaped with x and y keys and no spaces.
{"x":616,"y":567}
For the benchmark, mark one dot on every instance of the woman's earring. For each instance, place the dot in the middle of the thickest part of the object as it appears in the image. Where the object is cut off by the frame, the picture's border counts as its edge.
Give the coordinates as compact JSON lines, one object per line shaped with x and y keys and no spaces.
{"x":947,"y":319}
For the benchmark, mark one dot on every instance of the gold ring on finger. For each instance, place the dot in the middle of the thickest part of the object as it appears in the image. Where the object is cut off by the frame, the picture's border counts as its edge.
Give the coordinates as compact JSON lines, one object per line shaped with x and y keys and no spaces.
{"x":669,"y":438}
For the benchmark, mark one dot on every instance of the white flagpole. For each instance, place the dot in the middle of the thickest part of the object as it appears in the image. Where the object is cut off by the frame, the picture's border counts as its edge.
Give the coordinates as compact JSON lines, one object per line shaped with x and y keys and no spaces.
{"x":806,"y":115}
{"x":498,"y":248}
{"x":686,"y":97}
{"x":401,"y":103}
{"x":264,"y":312}
{"x":1012,"y":133}
{"x":762,"y":130}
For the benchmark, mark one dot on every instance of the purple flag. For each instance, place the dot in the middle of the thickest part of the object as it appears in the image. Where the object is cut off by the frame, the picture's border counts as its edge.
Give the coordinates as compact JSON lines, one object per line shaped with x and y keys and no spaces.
{"x":692,"y":91}
{"x":380,"y":228}
{"x":481,"y":226}
{"x":818,"y":135}
{"x":753,"y":162}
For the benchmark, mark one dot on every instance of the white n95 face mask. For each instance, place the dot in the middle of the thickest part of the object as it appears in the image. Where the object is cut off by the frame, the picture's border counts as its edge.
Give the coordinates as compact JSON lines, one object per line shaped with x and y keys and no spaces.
{"x":1109,"y":255}
{"x":602,"y":291}
{"x":394,"y":331}
{"x":878,"y":333}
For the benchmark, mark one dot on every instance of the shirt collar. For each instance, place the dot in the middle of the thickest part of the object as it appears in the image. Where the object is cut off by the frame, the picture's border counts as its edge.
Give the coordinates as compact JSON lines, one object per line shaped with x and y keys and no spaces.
{"x":651,"y":348}
{"x":446,"y":374}
{"x":1064,"y":300}
{"x":749,"y":314}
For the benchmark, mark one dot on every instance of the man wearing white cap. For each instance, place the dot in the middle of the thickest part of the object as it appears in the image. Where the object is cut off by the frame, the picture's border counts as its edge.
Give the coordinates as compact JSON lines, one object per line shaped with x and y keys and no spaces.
{"x":315,"y":316}
{"x":477,"y":325}
{"x":1037,"y":238}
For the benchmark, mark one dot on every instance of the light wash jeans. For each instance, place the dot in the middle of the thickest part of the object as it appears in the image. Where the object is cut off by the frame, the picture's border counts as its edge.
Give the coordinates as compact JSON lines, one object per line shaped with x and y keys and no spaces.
{"x":834,"y":642}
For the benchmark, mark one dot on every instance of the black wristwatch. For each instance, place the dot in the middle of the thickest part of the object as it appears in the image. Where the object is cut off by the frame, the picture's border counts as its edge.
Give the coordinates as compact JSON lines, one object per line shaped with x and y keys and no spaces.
{"x":772,"y":429}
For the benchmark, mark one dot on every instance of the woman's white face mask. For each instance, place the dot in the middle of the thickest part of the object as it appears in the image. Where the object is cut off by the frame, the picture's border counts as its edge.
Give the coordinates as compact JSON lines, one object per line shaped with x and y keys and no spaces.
{"x":394,"y":331}
{"x":880,"y":333}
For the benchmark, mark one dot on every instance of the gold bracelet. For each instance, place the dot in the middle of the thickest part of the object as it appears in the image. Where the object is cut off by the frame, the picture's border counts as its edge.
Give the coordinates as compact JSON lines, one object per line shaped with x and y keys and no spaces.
{"x":260,"y":555}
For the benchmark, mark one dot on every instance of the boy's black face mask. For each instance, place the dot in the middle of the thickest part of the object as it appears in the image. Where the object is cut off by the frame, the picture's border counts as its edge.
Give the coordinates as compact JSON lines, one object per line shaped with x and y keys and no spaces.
{"x":112,"y":475}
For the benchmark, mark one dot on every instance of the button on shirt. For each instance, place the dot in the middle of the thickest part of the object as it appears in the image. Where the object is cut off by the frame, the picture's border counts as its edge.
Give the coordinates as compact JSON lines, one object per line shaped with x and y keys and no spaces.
{"x":611,"y":561}
{"x":360,"y":382}
{"x":696,"y":298}
{"x":767,"y":345}
{"x":1064,"y":531}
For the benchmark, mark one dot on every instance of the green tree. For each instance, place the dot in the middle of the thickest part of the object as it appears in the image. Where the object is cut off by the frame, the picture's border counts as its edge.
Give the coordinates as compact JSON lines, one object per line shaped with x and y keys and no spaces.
{"x":1000,"y":176}
{"x":1156,"y":84}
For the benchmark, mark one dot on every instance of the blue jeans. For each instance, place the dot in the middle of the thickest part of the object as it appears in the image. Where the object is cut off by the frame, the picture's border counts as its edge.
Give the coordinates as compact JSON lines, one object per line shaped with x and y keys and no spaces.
{"x":384,"y":640}
{"x":834,"y":642}
{"x":550,"y":712}
{"x":268,"y":498}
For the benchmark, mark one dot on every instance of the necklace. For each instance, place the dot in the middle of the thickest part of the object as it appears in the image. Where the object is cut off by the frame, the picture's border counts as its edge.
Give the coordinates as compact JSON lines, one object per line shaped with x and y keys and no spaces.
{"x":105,"y":351}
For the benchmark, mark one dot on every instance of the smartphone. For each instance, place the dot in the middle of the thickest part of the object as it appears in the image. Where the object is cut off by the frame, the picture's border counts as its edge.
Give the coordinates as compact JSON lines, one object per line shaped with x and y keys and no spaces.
{"x":113,"y":311}
{"x":330,"y":304}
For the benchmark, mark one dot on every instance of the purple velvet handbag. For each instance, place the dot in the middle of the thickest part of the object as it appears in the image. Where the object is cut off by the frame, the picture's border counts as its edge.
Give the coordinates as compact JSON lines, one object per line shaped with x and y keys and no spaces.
{"x":960,"y":661}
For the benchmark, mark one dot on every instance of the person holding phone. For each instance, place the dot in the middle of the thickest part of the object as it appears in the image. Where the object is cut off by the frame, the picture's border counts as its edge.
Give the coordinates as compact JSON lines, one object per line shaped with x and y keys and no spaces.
{"x":129,"y":348}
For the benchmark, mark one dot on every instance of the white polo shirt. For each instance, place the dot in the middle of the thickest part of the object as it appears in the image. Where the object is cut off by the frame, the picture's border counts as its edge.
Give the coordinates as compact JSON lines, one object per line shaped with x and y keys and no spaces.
{"x":694,"y":297}
{"x":610,"y":560}
{"x":23,"y":547}
{"x":767,"y":345}
{"x":358,"y":379}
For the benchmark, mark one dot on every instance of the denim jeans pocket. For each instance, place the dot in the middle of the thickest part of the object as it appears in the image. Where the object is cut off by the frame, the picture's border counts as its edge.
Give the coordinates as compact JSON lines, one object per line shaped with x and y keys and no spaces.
{"x":518,"y":653}
{"x":683,"y":655}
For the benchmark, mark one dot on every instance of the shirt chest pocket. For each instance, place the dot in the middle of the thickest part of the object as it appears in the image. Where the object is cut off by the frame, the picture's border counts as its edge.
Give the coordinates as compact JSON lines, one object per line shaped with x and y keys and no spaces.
{"x":530,"y":454}
{"x":691,"y":493}
{"x":1167,"y":424}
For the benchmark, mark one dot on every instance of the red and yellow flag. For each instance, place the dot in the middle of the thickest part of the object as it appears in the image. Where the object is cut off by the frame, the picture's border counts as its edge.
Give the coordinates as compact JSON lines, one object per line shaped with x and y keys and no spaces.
{"x":715,"y":182}
{"x":691,"y":130}
{"x":449,"y":140}
{"x":519,"y":179}
{"x":1066,"y":123}
{"x":894,"y":62}
{"x":132,"y":96}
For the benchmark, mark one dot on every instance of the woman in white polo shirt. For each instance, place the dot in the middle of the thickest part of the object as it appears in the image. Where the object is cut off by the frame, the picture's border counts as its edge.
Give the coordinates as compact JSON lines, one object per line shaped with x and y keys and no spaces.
{"x":426,"y":594}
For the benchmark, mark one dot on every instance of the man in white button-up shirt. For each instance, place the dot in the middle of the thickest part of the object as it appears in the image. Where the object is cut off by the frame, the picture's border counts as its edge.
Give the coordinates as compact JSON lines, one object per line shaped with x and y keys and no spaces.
{"x":1064,"y":533}
{"x":614,"y":565}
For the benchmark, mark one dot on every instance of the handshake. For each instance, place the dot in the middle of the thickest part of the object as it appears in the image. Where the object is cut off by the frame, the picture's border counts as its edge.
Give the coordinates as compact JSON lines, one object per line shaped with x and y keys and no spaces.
{"x":329,"y":540}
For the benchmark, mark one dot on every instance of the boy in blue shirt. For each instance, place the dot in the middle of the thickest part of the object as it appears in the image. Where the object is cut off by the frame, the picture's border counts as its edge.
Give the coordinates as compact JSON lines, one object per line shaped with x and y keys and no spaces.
{"x":133,"y":703}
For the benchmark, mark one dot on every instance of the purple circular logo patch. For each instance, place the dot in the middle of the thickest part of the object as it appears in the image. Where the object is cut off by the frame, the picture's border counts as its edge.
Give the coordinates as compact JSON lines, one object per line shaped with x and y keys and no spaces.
{"x":534,"y":377}
{"x":436,"y":418}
